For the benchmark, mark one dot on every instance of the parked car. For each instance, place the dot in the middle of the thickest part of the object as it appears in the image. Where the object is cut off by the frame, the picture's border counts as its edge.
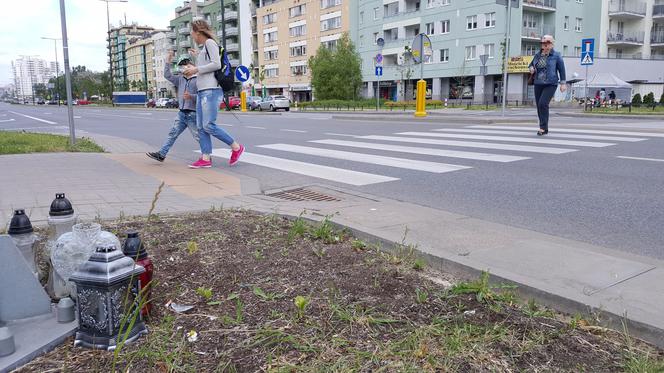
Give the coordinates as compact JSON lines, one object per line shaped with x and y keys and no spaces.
{"x":151,"y":103}
{"x":84,"y":102}
{"x":41,"y":101}
{"x":253,"y":101}
{"x":233,"y":101}
{"x":161,"y":102}
{"x":51,"y":102}
{"x":274,"y":103}
{"x":171,"y":104}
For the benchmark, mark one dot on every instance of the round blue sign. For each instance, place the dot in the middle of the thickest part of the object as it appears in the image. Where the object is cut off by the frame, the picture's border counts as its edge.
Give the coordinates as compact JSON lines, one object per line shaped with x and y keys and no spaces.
{"x":242,"y":73}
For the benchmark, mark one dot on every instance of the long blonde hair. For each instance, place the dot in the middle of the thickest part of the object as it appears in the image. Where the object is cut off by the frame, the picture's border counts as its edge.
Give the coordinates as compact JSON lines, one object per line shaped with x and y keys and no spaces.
{"x":200,"y":25}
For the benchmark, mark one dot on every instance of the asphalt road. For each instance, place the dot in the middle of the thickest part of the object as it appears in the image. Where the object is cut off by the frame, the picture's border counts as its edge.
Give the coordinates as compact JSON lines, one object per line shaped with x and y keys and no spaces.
{"x":579,"y":182}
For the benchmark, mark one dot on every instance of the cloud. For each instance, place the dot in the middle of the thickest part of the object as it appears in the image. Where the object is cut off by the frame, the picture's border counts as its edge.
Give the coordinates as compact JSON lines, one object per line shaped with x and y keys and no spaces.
{"x":86,"y":29}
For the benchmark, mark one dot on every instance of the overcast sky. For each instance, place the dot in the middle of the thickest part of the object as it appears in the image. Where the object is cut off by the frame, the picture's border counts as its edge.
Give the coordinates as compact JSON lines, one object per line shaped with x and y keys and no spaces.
{"x":24,"y":22}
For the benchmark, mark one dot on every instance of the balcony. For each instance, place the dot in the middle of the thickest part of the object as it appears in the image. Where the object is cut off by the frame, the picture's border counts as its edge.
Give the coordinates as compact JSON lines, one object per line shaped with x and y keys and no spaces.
{"x":233,"y":47}
{"x":625,"y":38}
{"x":185,"y":44}
{"x":234,"y":62}
{"x":183,"y":30}
{"x":393,"y":9}
{"x":657,"y":39}
{"x":229,"y":15}
{"x":539,"y":5}
{"x":171,"y":35}
{"x":231,"y":31}
{"x":536,"y":33}
{"x":658,"y":11}
{"x":623,"y":10}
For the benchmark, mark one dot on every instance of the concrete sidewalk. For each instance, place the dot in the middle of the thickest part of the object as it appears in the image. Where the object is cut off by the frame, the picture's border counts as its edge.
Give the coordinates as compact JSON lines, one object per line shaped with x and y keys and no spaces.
{"x":568,"y":275}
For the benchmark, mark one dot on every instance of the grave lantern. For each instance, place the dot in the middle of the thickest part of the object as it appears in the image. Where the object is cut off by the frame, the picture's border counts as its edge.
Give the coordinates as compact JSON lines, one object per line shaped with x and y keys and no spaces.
{"x":61,"y":219}
{"x":20,"y":230}
{"x":133,"y":247}
{"x":107,"y":288}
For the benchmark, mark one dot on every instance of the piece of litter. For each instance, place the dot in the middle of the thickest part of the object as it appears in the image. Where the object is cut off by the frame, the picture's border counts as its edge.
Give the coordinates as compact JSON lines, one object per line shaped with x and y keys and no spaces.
{"x":469,"y":313}
{"x":180,"y":308}
{"x":171,"y":259}
{"x":192,"y":336}
{"x":178,"y":328}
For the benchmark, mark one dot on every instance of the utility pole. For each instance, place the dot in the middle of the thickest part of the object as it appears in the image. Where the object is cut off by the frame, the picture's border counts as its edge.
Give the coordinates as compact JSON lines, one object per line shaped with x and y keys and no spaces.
{"x":57,"y":69}
{"x":110,"y":51}
{"x":507,"y":53}
{"x":65,"y":56}
{"x":223,"y":25}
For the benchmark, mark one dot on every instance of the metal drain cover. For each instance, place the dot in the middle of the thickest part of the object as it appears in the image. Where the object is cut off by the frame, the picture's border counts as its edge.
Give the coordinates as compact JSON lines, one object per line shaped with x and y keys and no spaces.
{"x":303,"y":194}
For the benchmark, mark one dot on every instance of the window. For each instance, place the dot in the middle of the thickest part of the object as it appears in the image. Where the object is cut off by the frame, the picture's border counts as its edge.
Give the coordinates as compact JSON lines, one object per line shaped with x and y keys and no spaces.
{"x":330,"y":24}
{"x":531,"y":49}
{"x":375,"y":37}
{"x":430,"y":30}
{"x":444,"y":55}
{"x":376,"y":14}
{"x":579,"y":25}
{"x":270,"y":37}
{"x":471,"y":22}
{"x":490,"y":49}
{"x":361,"y":17}
{"x":298,"y":51}
{"x":271,"y":73}
{"x":579,"y":1}
{"x":361,"y":40}
{"x":577,"y":51}
{"x":529,"y":20}
{"x":565,"y":50}
{"x":297,"y":11}
{"x":566,"y":23}
{"x":490,"y":19}
{"x":269,"y":18}
{"x":271,"y":55}
{"x":329,"y":3}
{"x":434,"y":3}
{"x":298,"y":70}
{"x":332,"y":44}
{"x":471,"y":53}
{"x":445,"y":26}
{"x":297,"y":30}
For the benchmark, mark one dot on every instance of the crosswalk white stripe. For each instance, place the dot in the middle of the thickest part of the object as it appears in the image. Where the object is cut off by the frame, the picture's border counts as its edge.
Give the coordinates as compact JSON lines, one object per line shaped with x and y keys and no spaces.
{"x":322,"y":172}
{"x":574,"y":130}
{"x":471,"y":144}
{"x":510,"y":139}
{"x":37,"y":119}
{"x":426,"y":151}
{"x":553,"y":136}
{"x":410,"y":164}
{"x":641,"y":159}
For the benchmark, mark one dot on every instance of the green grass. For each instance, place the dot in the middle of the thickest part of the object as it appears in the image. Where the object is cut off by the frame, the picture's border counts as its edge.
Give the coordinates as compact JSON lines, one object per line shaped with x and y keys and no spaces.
{"x":23,"y":143}
{"x":642,"y":110}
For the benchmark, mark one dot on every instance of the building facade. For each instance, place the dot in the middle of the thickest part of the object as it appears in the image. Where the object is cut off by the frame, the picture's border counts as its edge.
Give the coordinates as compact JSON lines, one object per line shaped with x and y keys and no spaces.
{"x":632,"y":29}
{"x":161,"y":46}
{"x":140,"y":65}
{"x":291,"y":31}
{"x":119,"y":38}
{"x":28,"y":71}
{"x":461,"y":32}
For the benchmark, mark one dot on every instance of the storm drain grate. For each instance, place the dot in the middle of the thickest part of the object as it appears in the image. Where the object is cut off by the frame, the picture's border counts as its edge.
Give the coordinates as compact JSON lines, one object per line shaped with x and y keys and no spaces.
{"x":302,"y":194}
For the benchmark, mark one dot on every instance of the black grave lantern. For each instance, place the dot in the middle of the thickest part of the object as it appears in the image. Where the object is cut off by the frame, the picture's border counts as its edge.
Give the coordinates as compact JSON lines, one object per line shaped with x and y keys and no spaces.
{"x":106,"y":288}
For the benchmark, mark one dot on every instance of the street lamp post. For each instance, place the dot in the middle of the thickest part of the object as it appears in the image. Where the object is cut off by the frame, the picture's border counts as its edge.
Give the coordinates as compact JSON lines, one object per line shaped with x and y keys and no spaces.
{"x":110,"y":53}
{"x":65,"y":57}
{"x":57,"y":69}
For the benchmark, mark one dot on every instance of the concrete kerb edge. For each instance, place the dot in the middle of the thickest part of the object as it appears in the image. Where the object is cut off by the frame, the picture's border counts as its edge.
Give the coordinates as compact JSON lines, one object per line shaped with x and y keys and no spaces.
{"x":645,"y":117}
{"x":439,"y":119}
{"x":618,"y":323}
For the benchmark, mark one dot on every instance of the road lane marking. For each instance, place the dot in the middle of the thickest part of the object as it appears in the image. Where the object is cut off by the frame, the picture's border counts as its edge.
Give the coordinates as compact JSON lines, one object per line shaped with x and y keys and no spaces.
{"x":7,"y":120}
{"x":409,"y":164}
{"x":308,"y":169}
{"x":472,"y":144}
{"x":554,"y":136}
{"x":597,"y":132}
{"x":538,"y":140}
{"x":338,"y":134}
{"x":426,"y":151}
{"x":298,"y":131}
{"x":258,"y":128}
{"x":641,"y":159}
{"x":37,"y":119}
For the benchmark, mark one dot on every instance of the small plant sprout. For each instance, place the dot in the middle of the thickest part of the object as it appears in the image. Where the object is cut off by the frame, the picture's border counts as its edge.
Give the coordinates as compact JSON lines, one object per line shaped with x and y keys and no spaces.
{"x":192,"y":247}
{"x":419,"y":264}
{"x":358,"y":245}
{"x":301,"y":304}
{"x":421,"y":296}
{"x":298,"y":228}
{"x":206,"y":293}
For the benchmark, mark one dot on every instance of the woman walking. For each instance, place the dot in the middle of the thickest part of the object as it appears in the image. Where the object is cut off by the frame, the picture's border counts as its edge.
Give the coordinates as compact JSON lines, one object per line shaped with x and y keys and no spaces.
{"x":209,"y":96}
{"x":549,"y":70}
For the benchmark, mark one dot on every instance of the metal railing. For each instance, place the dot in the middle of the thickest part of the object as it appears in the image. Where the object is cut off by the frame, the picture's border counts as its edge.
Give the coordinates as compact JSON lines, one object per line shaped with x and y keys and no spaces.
{"x":401,"y":13}
{"x":622,"y":6}
{"x":538,"y":32}
{"x":628,"y":37}
{"x":657,"y":37}
{"x":658,"y":10}
{"x":541,"y":3}
{"x":184,"y":30}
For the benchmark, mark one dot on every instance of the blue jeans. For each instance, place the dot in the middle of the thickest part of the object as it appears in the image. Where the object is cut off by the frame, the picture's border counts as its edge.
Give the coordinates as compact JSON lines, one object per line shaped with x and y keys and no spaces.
{"x":543,"y":95}
{"x":183,"y":121}
{"x":207,"y":106}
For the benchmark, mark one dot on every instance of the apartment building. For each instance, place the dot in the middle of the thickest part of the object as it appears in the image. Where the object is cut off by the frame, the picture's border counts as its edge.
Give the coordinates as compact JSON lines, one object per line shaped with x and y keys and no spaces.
{"x":632,"y":29}
{"x":140,"y":65}
{"x":119,"y":37}
{"x":461,"y":32}
{"x":161,"y":46}
{"x":238,"y":26}
{"x":28,"y":71}
{"x":291,"y":31}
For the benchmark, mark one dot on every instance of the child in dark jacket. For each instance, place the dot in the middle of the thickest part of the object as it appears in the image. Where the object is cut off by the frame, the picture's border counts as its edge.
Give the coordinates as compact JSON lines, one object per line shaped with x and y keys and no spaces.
{"x":186,"y":118}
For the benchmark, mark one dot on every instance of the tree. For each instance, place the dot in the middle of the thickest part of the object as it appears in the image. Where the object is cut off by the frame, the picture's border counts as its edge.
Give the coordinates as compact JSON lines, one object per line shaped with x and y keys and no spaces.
{"x":649,"y":99}
{"x":636,"y":100}
{"x":336,"y":74}
{"x":661,"y":99}
{"x":40,"y":90}
{"x":406,"y":70}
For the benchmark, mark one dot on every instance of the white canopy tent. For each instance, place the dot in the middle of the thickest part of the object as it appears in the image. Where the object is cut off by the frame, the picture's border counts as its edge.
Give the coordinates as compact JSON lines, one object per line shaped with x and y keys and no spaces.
{"x":609,"y":82}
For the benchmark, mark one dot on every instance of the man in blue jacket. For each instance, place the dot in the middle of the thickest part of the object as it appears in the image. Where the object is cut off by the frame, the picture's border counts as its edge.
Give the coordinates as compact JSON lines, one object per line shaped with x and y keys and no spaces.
{"x":186,"y":103}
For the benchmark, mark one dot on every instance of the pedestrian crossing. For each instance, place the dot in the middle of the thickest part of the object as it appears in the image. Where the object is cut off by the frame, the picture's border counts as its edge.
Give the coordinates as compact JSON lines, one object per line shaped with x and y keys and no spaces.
{"x":496,"y":145}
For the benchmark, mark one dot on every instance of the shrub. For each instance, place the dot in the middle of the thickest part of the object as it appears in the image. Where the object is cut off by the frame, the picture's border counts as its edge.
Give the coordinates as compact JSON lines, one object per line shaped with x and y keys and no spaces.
{"x":649,"y":99}
{"x":636,"y":100}
{"x":661,"y":99}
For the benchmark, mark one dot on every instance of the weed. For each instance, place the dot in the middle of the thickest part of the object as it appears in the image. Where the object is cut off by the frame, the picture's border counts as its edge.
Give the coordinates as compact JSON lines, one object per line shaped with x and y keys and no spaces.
{"x":325,"y":232}
{"x":154,"y":200}
{"x":284,"y":252}
{"x":239,"y":310}
{"x":299,"y":228}
{"x":319,"y":251}
{"x":421,"y":296}
{"x":266,"y":296}
{"x":358,"y":245}
{"x":258,"y":254}
{"x":534,"y":310}
{"x":192,"y":247}
{"x":206,"y":293}
{"x":301,"y":304}
{"x":419,"y":264}
{"x":121,"y":216}
{"x":484,"y":292}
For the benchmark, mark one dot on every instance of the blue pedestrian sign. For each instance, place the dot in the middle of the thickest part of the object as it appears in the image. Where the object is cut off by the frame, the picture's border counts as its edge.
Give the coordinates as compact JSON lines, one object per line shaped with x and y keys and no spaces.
{"x":379,"y":70}
{"x":587,"y":52}
{"x":242,"y":73}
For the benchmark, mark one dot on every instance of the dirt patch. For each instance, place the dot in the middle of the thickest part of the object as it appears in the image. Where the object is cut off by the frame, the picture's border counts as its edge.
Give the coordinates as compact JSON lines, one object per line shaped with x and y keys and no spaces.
{"x":274,"y":295}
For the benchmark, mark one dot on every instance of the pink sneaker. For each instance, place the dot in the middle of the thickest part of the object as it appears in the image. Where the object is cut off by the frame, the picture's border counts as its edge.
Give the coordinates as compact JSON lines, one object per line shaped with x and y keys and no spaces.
{"x":201,"y":163}
{"x":235,"y":155}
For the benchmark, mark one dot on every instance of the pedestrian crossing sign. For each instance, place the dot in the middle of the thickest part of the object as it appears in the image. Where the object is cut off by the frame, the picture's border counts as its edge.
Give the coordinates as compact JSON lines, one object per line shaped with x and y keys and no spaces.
{"x":587,"y":52}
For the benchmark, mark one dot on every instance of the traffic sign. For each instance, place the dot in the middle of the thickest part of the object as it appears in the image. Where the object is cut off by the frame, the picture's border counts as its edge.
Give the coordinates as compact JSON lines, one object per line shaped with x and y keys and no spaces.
{"x":421,"y":48}
{"x":379,"y":59}
{"x":379,"y":71}
{"x":587,"y":51}
{"x":380,"y":42}
{"x":242,"y":73}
